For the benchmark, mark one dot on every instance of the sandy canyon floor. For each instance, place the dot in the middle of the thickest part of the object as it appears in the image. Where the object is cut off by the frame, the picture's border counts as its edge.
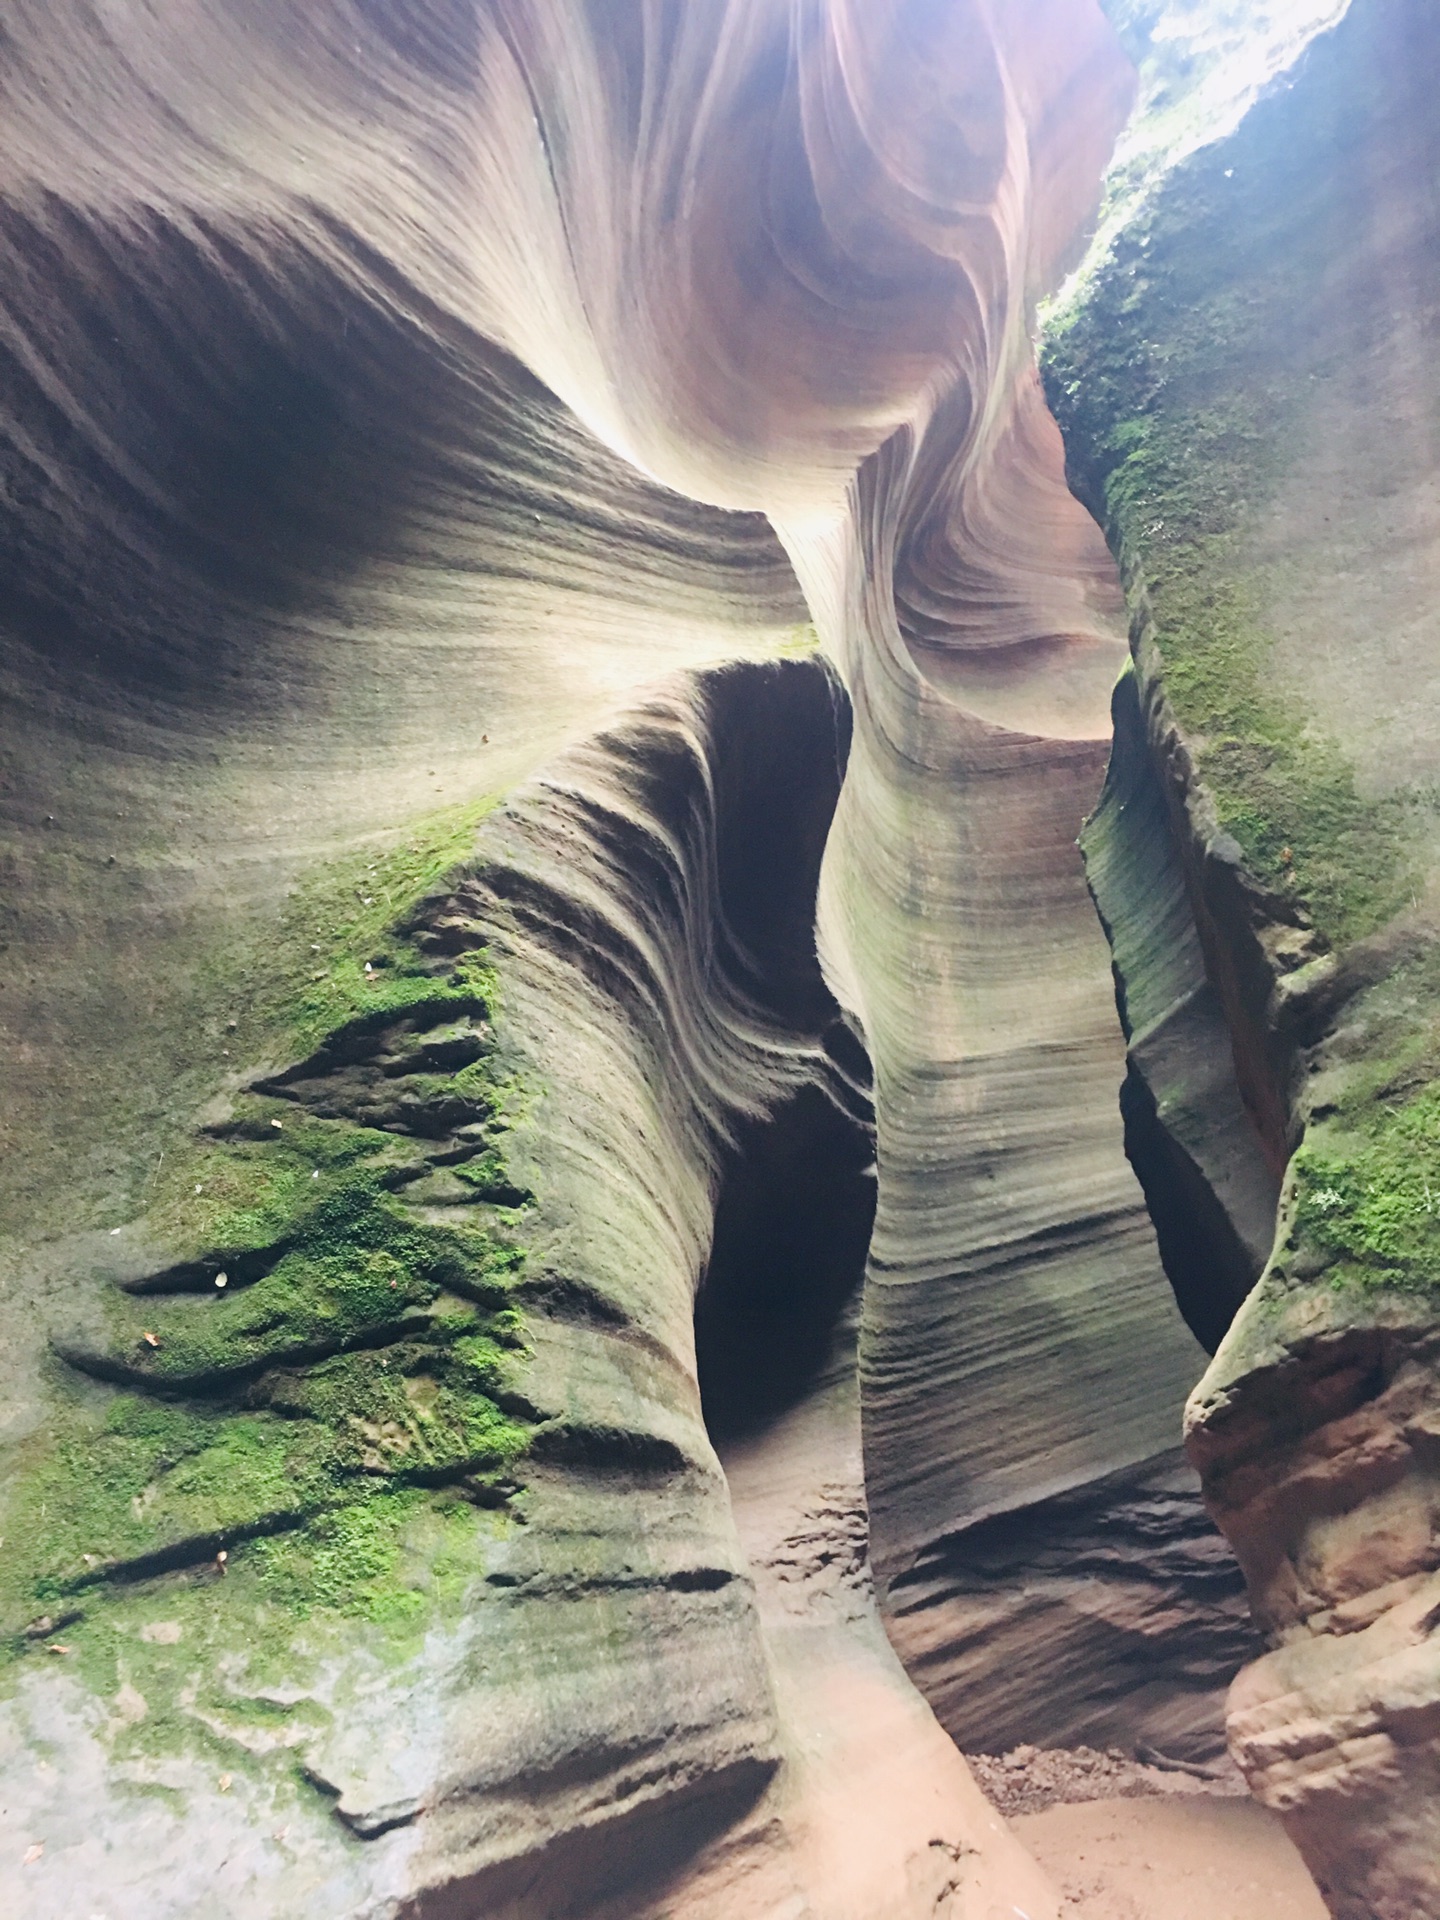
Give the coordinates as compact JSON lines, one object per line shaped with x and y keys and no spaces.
{"x":1172,"y":1860}
{"x":1159,"y":1844}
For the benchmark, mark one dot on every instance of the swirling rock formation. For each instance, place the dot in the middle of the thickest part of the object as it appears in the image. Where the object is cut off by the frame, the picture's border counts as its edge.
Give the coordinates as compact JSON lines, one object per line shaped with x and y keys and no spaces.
{"x":425,"y":403}
{"x":1248,"y":392}
{"x":1008,"y":1224}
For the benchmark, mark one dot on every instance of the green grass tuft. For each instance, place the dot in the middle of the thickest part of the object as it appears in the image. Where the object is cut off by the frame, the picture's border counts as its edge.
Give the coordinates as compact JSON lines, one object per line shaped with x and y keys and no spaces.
{"x":1367,"y":1196}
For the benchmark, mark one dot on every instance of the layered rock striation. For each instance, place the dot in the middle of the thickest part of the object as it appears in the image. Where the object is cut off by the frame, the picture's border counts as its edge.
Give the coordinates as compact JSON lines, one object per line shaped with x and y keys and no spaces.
{"x":521,"y":525}
{"x":428,"y":1468}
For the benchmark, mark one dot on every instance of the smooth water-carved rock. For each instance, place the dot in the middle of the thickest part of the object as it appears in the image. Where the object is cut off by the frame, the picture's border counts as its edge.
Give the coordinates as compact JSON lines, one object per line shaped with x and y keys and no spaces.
{"x":1210,"y":1188}
{"x":434,"y":438}
{"x":1013,"y":1267}
{"x":515,"y":1650}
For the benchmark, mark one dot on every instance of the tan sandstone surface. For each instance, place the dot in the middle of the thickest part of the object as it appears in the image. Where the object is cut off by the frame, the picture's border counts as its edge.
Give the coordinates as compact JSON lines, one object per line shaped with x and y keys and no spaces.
{"x":1171,"y":1860}
{"x":580,"y":1314}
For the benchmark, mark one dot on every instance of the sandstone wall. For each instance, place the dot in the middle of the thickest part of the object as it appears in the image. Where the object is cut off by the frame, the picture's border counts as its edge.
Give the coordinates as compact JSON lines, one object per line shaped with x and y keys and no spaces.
{"x":1248,"y":394}
{"x":435,"y":439}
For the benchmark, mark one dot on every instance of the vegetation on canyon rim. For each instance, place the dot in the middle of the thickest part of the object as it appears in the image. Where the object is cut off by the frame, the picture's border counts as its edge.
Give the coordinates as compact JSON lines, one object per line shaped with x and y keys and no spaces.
{"x":1367,"y":1201}
{"x":1364,"y":1207}
{"x":305,"y":1413}
{"x":1178,"y":377}
{"x":1181,"y":373}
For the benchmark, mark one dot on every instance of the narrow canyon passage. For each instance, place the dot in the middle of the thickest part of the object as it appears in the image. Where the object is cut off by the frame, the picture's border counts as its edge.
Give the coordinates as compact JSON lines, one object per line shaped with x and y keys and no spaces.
{"x":719,"y":1020}
{"x":870,"y":1798}
{"x":878,"y":1813}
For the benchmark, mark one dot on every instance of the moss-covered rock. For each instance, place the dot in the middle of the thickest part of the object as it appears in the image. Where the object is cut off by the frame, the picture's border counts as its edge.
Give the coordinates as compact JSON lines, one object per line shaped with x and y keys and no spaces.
{"x":1181,"y":376}
{"x":1247,"y":390}
{"x":1200,"y":374}
{"x":322,"y":1373}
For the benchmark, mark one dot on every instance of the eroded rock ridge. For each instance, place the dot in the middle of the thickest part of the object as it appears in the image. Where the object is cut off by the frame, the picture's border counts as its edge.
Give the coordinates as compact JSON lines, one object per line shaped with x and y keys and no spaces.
{"x":1248,"y":396}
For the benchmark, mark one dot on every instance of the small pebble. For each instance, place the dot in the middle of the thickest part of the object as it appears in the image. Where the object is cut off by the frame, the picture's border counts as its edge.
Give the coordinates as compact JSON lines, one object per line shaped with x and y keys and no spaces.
{"x":226,"y":1782}
{"x":32,"y":1854}
{"x":277,"y":1124}
{"x":222,"y":1279}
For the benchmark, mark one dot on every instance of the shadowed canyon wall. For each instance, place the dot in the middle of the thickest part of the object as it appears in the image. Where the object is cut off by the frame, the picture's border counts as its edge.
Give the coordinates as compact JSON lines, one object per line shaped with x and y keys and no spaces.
{"x":577,"y":1315}
{"x":1247,"y":388}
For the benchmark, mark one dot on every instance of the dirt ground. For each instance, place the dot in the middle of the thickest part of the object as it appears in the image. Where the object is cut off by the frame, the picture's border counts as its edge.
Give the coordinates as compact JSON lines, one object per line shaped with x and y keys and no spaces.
{"x":1030,"y":1779}
{"x":1173,"y":1859}
{"x":1126,"y":1841}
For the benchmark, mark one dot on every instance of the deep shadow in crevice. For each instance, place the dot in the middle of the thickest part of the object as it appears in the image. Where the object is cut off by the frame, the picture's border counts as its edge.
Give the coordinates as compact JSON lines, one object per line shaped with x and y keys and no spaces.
{"x":1191,"y":1134}
{"x":1208,"y":1265}
{"x":792,"y":1229}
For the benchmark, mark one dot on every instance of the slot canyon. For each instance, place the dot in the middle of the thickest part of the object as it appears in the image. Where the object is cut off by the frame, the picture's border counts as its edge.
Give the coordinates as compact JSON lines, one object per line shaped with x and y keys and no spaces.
{"x":719,"y":997}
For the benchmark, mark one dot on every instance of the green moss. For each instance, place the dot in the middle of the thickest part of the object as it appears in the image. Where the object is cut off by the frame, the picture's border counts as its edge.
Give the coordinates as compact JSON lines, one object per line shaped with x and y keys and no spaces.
{"x":229,"y":1673}
{"x":280,"y":996}
{"x":246,"y":1188}
{"x":340,"y":1420}
{"x":339,"y":1397}
{"x":129,"y":1483}
{"x":122,"y":1490}
{"x":314,"y":983}
{"x":1182,"y":377}
{"x":345,"y":1563}
{"x":1179,"y":379}
{"x":1367,"y":1194}
{"x":1281,"y":787}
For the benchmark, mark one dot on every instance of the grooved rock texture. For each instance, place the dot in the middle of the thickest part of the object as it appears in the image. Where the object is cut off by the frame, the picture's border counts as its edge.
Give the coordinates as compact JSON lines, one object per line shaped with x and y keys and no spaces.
{"x":1248,"y":392}
{"x":556,"y":677}
{"x":1011,"y":1241}
{"x":522,"y":1711}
